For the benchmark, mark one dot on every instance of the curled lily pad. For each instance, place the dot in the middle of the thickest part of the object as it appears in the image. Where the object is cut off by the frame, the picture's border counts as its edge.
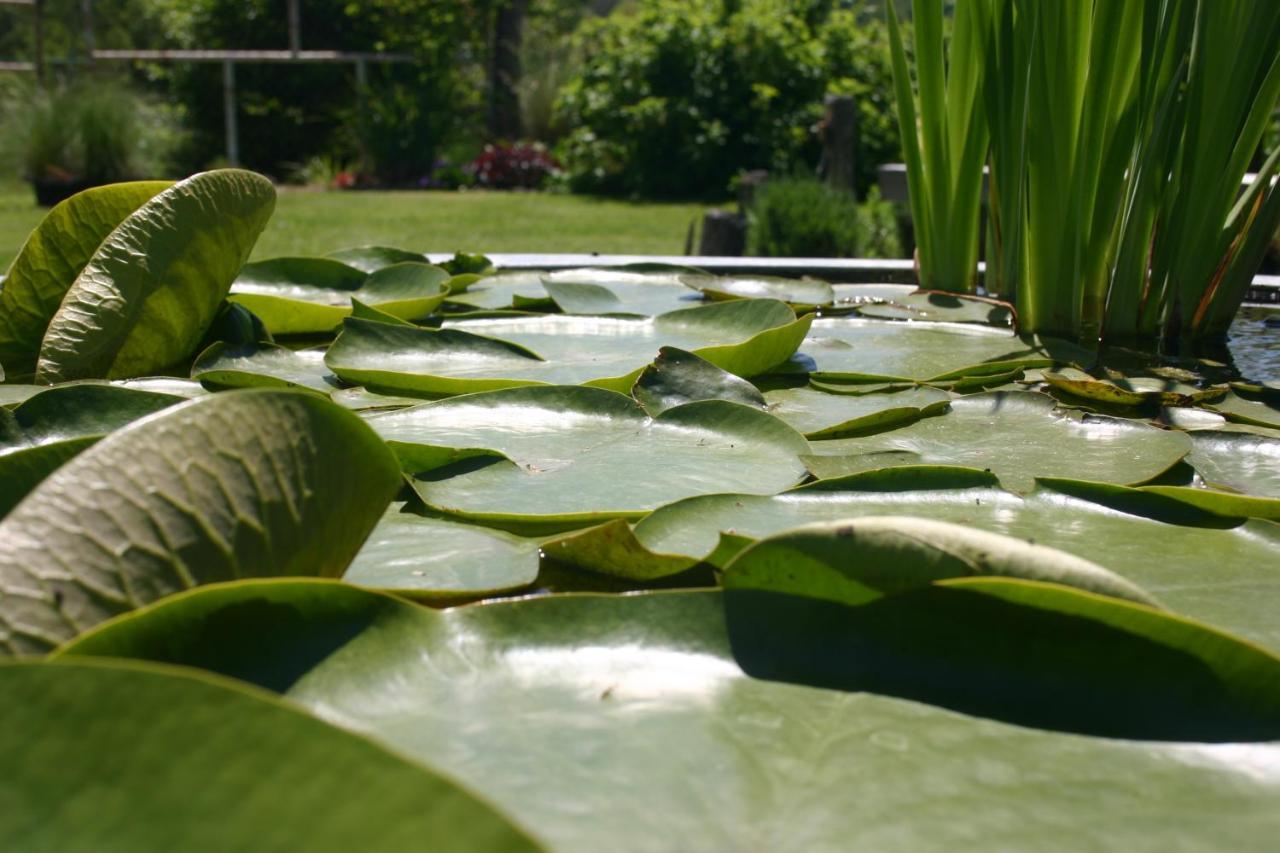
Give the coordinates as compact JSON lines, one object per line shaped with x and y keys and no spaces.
{"x":525,"y":702}
{"x":820,"y":415}
{"x":52,"y":259}
{"x":568,"y":455}
{"x":370,"y":259}
{"x":1240,"y":461}
{"x":1135,"y":391}
{"x":502,"y":291}
{"x":1260,"y":406}
{"x":439,"y":559}
{"x":856,"y":561}
{"x":309,"y":295}
{"x":803,"y":293}
{"x":230,"y":485}
{"x":144,"y":300}
{"x":1019,"y":435}
{"x":745,"y":338}
{"x":903,"y":607}
{"x":1158,"y":541}
{"x":56,"y":424}
{"x":677,"y":377}
{"x":135,"y":756}
{"x":264,"y":366}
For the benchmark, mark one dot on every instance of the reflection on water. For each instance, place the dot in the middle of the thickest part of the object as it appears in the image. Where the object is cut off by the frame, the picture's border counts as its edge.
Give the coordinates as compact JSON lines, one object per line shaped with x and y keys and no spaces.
{"x":1255,"y":345}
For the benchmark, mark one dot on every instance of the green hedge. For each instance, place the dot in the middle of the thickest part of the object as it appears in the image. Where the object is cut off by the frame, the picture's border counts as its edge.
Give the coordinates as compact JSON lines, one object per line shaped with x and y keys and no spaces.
{"x":675,"y":97}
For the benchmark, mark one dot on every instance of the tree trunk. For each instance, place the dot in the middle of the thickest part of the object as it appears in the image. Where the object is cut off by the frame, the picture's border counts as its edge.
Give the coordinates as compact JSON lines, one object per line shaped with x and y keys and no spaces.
{"x":504,"y":70}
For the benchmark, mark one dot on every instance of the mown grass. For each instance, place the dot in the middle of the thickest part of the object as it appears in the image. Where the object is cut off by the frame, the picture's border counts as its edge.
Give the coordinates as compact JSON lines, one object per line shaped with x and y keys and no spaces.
{"x":308,"y":223}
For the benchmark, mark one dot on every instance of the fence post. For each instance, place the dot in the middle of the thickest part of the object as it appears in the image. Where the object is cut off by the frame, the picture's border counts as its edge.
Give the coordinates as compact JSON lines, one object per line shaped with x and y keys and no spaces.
{"x":229,"y":112}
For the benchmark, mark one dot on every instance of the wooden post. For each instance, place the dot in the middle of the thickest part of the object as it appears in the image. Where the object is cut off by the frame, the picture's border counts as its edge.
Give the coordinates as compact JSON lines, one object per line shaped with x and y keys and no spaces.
{"x":839,"y":129}
{"x":504,"y":70}
{"x":37,"y":23}
{"x":362,"y":120}
{"x":295,"y":28}
{"x":230,"y":119}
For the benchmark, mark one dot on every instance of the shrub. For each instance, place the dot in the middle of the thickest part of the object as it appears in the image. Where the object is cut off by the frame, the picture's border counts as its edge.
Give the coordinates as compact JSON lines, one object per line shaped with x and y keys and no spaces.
{"x":522,"y":165}
{"x":97,"y":130}
{"x":802,"y":217}
{"x":676,"y":97}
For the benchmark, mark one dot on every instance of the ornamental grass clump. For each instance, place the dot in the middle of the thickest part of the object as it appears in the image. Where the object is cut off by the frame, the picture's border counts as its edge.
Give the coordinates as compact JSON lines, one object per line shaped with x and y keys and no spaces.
{"x":1115,"y":210}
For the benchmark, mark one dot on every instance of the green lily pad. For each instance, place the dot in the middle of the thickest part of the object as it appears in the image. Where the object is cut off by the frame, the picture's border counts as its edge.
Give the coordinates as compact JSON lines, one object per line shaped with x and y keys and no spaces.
{"x":1225,"y":504}
{"x":923,"y":610}
{"x":56,"y":424}
{"x":677,"y":377}
{"x":172,"y":385}
{"x":311,"y":295}
{"x":127,"y":756}
{"x":52,"y":259}
{"x":1260,"y":407}
{"x":370,"y":259}
{"x":144,"y":300}
{"x":12,"y":395}
{"x":1240,"y":461}
{"x":1019,"y":435}
{"x":570,"y":456}
{"x":504,"y":290}
{"x":820,"y":415}
{"x":849,"y":297}
{"x":857,"y":561}
{"x":440,"y":559}
{"x":804,"y":293}
{"x":858,"y":350}
{"x":230,"y":485}
{"x":1157,"y":543}
{"x":642,"y":299}
{"x":617,"y":707}
{"x":940,"y":307}
{"x":1135,"y":391}
{"x":364,"y":400}
{"x":745,"y":338}
{"x":264,"y":366}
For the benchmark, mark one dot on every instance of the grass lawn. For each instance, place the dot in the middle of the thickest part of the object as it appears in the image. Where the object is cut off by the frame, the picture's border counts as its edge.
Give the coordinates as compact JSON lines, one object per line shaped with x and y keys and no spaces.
{"x":312,"y":223}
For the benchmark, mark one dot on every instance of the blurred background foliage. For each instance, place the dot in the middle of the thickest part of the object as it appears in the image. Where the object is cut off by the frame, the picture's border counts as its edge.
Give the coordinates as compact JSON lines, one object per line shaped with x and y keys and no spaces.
{"x":643,"y":98}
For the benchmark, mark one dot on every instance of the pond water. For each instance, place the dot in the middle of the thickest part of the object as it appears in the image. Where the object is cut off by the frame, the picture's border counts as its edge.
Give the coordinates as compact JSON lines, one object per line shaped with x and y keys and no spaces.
{"x":1254,"y":341}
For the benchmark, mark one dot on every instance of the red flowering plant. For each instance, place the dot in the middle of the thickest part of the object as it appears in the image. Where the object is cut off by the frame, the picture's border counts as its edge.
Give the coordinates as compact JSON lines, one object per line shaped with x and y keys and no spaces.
{"x":519,"y":165}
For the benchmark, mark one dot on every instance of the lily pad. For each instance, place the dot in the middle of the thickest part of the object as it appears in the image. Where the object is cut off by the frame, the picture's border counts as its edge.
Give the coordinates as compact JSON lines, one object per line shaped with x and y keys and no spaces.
{"x":940,"y":307}
{"x":803,"y":293}
{"x":1241,"y":461}
{"x":820,"y":415}
{"x":925,"y":623}
{"x":440,"y":559}
{"x":1019,"y":435}
{"x":364,"y":400}
{"x":144,"y":300}
{"x":52,"y":259}
{"x":56,"y":424}
{"x":849,"y":296}
{"x":311,"y":295}
{"x":131,"y":756}
{"x":541,"y":705}
{"x":264,"y":366}
{"x":859,"y":350}
{"x":370,"y":259}
{"x":1134,"y":391}
{"x":504,"y":290}
{"x":745,"y":338}
{"x":1157,"y":543}
{"x":568,"y":456}
{"x":1260,"y":407}
{"x":230,"y":485}
{"x":677,"y":377}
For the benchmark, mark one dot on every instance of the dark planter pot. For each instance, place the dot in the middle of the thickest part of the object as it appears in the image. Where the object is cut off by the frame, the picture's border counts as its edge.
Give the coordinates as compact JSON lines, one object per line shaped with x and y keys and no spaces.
{"x":50,"y":191}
